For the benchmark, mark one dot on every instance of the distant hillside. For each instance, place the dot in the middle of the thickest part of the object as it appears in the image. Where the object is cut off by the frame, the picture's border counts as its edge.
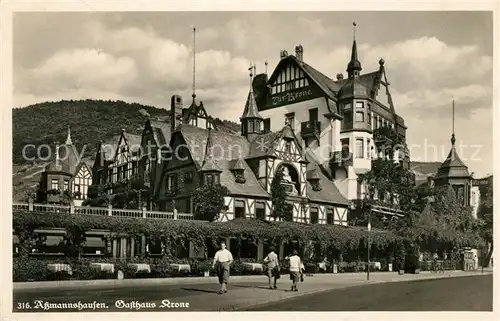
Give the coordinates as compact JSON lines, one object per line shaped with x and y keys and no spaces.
{"x":90,"y":121}
{"x":425,"y":167}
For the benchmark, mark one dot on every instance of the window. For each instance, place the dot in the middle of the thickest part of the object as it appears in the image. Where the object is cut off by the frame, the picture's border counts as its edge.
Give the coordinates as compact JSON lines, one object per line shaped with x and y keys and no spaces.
{"x":375,"y":123}
{"x":250,"y":126}
{"x":380,"y":123}
{"x":288,"y":147}
{"x":368,"y":149}
{"x":209,"y":179}
{"x":289,"y":216}
{"x":54,"y":184}
{"x":290,"y":119}
{"x":188,"y":177}
{"x":289,"y":86}
{"x":330,"y":217}
{"x":369,"y":115}
{"x":134,"y":168}
{"x":267,"y":124}
{"x":239,"y":209}
{"x":347,"y":114}
{"x":314,"y":215}
{"x":360,"y":117}
{"x":77,"y":189}
{"x":260,"y":210}
{"x":262,"y":168}
{"x":359,"y":105}
{"x":170,"y":183}
{"x":66,"y":185}
{"x":345,"y":147}
{"x":313,"y":114}
{"x":359,"y":148}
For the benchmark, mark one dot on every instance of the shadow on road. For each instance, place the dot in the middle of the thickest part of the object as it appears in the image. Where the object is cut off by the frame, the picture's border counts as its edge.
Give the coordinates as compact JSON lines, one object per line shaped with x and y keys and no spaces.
{"x":199,"y":290}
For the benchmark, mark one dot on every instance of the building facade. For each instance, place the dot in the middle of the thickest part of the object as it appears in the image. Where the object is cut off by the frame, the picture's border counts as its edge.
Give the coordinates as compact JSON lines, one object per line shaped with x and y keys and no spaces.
{"x":67,"y":178}
{"x":334,"y":119}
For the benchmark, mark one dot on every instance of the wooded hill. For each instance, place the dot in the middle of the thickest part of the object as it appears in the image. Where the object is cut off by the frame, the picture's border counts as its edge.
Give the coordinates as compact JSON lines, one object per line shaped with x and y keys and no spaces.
{"x":90,"y":121}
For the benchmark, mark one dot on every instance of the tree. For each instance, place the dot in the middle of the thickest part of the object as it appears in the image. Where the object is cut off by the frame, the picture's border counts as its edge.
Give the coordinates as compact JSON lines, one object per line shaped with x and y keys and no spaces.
{"x":281,"y":209}
{"x":485,"y":215}
{"x":130,"y":193}
{"x":209,"y":201}
{"x":74,"y":241}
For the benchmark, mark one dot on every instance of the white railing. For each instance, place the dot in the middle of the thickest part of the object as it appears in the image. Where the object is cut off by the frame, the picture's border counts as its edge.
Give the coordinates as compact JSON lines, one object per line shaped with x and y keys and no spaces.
{"x":101,"y":211}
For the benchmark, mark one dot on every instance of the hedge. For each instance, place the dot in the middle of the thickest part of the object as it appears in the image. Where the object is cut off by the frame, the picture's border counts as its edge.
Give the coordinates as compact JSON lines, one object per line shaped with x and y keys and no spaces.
{"x":329,"y":237}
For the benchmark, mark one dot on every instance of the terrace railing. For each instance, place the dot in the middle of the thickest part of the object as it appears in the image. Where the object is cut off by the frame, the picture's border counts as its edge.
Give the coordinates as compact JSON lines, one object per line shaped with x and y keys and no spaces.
{"x":102,"y":211}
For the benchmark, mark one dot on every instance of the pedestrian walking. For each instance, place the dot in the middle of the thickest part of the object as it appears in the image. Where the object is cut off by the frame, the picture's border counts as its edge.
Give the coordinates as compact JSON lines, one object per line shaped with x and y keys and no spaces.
{"x":272,"y":267}
{"x":296,"y":270}
{"x":222,"y":261}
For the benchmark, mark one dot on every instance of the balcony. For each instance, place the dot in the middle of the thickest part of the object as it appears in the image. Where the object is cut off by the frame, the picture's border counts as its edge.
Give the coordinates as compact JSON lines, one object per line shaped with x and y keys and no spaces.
{"x":341,"y":158}
{"x":310,"y":129}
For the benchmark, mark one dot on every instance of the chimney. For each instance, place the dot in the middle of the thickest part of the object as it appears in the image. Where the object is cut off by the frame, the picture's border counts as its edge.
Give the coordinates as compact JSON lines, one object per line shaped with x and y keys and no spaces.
{"x":340,"y":77}
{"x":175,"y":112}
{"x":283,"y":54}
{"x":299,"y":52}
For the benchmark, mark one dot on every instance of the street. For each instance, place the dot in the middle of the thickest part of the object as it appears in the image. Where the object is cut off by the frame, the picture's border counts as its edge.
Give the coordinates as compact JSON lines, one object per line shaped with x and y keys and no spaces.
{"x":472,"y":293}
{"x":453,"y":294}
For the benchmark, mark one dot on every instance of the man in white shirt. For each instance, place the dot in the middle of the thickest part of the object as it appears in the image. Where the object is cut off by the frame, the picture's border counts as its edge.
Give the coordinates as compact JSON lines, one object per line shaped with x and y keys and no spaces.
{"x":222,"y":260}
{"x":273,"y":267}
{"x":296,"y":269}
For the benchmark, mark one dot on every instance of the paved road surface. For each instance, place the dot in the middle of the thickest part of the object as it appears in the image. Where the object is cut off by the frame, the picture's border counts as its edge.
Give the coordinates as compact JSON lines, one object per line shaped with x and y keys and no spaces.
{"x":462,"y":293}
{"x":452,"y":294}
{"x":109,"y":295}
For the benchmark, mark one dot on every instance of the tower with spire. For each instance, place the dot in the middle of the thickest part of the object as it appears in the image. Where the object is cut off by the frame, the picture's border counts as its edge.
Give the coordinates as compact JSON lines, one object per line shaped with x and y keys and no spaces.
{"x":251,"y":120}
{"x":210,"y":171}
{"x":354,"y":65}
{"x":453,"y":172}
{"x":68,"y":138}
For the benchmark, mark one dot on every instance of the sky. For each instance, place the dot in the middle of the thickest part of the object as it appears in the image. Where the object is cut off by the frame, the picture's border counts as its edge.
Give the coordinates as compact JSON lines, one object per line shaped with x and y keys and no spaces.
{"x":430,"y":58}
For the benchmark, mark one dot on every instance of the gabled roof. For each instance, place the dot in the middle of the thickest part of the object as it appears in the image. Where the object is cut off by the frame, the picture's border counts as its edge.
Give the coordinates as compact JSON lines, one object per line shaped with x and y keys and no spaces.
{"x":266,"y":144}
{"x":109,"y":148}
{"x":236,"y":164}
{"x":230,"y":154}
{"x":161,"y":133}
{"x":232,"y":147}
{"x":329,"y":192}
{"x":209,"y":164}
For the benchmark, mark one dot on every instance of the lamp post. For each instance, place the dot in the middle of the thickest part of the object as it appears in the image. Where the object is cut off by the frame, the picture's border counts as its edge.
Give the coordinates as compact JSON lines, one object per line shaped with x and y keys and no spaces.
{"x":369,"y":244}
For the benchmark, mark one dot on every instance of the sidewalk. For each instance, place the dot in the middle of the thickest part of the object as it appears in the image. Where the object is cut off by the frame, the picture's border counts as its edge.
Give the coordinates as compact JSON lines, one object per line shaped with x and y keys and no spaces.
{"x":317,"y":279}
{"x":255,"y":296}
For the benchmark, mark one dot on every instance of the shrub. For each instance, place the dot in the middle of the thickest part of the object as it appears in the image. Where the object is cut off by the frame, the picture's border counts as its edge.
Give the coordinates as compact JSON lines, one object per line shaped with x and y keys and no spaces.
{"x":26,"y":269}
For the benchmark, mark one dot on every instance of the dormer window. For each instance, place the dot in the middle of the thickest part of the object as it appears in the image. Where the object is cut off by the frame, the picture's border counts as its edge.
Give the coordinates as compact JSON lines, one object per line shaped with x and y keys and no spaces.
{"x":239,"y":176}
{"x":313,"y":178}
{"x":238,"y":169}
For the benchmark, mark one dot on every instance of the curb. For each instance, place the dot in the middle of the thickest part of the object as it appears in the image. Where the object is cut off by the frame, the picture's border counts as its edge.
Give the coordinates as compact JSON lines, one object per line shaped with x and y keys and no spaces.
{"x":48,"y":285}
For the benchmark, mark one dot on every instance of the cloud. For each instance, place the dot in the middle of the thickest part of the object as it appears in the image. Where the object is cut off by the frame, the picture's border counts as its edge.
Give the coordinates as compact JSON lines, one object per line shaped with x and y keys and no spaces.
{"x":78,"y":68}
{"x":147,"y":62}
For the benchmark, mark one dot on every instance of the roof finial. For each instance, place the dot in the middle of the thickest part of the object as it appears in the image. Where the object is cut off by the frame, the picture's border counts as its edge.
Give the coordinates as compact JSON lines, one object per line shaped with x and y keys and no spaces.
{"x":453,"y":124}
{"x":266,"y":66}
{"x":251,"y":69}
{"x":354,"y":66}
{"x":194,"y":63}
{"x":354,"y":30}
{"x":68,"y":138}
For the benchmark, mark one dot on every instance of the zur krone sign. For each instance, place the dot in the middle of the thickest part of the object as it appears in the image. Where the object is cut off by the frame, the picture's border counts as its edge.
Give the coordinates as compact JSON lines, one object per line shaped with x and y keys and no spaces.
{"x":291,"y":97}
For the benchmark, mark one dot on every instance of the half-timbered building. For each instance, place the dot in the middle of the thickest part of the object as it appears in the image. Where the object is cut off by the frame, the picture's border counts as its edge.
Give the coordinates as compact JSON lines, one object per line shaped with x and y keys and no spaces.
{"x":246,"y":164}
{"x":332,"y":118}
{"x":66,"y":173}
